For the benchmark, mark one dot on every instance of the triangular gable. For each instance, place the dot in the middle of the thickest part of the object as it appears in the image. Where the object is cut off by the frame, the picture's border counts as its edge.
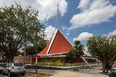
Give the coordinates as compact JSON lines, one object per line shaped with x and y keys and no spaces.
{"x":57,"y":45}
{"x":44,"y":51}
{"x":60,"y":44}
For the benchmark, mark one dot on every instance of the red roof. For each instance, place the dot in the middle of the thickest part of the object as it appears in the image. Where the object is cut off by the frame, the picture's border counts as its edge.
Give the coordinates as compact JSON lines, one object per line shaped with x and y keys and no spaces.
{"x":44,"y":51}
{"x":85,"y":54}
{"x":57,"y":45}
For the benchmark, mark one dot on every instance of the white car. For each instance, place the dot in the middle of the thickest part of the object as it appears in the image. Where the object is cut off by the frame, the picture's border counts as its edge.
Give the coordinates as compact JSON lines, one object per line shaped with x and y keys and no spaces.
{"x":14,"y":68}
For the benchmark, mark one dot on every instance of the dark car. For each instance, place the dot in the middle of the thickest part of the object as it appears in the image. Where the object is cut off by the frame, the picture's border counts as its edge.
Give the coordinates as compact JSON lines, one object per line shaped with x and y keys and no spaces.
{"x":112,"y":73}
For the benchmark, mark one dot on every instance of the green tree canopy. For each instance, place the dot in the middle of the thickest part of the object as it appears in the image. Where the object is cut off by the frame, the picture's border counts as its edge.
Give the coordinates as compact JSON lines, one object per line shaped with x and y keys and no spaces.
{"x":103,"y":47}
{"x":18,"y":24}
{"x":31,"y":49}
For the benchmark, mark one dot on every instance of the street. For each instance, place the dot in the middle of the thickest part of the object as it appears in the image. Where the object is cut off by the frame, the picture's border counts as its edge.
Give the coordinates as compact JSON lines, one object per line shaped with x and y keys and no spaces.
{"x":13,"y":76}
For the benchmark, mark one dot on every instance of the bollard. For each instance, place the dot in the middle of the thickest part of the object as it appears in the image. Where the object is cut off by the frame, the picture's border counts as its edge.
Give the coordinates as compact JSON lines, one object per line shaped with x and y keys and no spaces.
{"x":83,"y":65}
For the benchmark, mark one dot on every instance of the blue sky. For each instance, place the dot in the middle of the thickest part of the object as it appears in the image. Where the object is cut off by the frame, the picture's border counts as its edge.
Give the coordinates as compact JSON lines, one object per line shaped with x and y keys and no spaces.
{"x":79,"y":19}
{"x":98,"y":24}
{"x":99,"y":19}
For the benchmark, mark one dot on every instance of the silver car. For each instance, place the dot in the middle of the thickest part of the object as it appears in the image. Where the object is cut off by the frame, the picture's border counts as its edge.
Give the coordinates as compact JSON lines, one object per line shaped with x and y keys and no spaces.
{"x":112,"y":73}
{"x":2,"y":65}
{"x":14,"y":68}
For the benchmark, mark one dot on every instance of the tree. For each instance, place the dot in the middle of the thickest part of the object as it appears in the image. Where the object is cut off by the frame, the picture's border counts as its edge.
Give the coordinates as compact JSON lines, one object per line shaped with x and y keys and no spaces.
{"x":31,"y":49}
{"x":76,"y":51}
{"x":104,"y":48}
{"x":78,"y":48}
{"x":17,"y":27}
{"x":18,"y":53}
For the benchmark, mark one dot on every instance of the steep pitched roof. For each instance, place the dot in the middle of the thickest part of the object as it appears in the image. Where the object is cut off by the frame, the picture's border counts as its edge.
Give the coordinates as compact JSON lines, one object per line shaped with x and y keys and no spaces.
{"x":57,"y":45}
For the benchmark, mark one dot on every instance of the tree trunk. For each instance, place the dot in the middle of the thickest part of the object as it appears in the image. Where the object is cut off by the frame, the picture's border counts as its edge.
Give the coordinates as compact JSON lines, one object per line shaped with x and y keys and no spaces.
{"x":103,"y":66}
{"x":11,"y":59}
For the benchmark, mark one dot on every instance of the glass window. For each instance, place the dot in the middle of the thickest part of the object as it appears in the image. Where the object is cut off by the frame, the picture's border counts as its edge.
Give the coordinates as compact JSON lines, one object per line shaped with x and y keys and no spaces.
{"x":7,"y":65}
{"x":22,"y":59}
{"x":15,"y":59}
{"x":18,"y":64}
{"x":2,"y":65}
{"x":114,"y":71}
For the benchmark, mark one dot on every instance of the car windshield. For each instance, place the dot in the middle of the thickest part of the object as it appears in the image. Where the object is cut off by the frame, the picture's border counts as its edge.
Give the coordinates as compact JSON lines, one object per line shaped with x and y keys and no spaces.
{"x":2,"y":65}
{"x":18,"y":64}
{"x":115,"y":71}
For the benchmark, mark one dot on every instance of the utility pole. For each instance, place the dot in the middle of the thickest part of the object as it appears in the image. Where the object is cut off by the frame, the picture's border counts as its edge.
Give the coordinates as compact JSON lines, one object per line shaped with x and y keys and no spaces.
{"x":36,"y":51}
{"x":2,"y":55}
{"x":25,"y":51}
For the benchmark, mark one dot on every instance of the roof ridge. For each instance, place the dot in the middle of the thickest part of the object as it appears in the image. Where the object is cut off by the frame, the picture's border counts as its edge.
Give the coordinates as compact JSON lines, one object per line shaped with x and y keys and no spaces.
{"x":52,"y":41}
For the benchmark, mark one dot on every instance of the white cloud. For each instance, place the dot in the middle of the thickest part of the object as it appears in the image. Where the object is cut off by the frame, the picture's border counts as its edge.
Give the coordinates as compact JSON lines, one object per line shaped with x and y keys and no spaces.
{"x":86,"y":51}
{"x":68,"y":34}
{"x":112,"y":33}
{"x":49,"y":32}
{"x":84,"y":4}
{"x":92,"y":12}
{"x":46,"y":8}
{"x":64,"y":28}
{"x":22,"y":2}
{"x":83,"y":36}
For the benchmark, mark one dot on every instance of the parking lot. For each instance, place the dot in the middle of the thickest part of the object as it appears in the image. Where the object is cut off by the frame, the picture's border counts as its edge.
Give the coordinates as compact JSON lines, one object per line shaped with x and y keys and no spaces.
{"x":89,"y":72}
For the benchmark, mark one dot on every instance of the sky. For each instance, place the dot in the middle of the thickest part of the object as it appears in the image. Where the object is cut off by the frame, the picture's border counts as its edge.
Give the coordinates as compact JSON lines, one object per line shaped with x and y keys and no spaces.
{"x":79,"y":19}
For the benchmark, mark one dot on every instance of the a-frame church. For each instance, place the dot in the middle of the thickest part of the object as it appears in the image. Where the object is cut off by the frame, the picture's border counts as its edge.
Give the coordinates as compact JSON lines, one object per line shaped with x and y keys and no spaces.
{"x":58,"y":43}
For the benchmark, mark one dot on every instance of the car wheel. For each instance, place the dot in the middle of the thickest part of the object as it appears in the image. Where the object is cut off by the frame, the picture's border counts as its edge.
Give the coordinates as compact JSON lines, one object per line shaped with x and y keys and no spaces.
{"x":23,"y":74}
{"x":3,"y":73}
{"x":9,"y":74}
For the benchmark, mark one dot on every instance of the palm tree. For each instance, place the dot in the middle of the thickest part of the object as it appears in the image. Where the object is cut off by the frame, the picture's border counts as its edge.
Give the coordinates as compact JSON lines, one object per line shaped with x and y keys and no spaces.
{"x":76,"y":51}
{"x":78,"y":48}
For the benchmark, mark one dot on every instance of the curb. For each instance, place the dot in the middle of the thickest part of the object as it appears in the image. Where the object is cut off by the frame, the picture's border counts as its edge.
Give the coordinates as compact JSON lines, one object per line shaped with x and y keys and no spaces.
{"x":57,"y":67}
{"x":34,"y":75}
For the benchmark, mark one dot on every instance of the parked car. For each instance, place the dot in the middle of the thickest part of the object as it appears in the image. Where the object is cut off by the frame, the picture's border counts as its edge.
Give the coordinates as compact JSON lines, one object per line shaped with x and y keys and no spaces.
{"x":2,"y":65}
{"x":112,"y":73}
{"x":14,"y":68}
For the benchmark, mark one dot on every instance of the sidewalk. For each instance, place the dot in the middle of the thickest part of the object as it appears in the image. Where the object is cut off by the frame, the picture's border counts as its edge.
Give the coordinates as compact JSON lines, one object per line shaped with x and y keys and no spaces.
{"x":60,"y":67}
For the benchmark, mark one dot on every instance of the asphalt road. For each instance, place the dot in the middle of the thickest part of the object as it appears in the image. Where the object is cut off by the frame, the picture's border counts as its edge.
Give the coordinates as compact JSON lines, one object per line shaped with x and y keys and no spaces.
{"x":13,"y":76}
